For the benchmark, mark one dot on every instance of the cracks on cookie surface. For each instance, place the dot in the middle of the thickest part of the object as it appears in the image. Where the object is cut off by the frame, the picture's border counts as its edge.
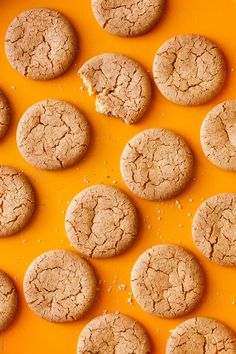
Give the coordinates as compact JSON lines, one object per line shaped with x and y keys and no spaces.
{"x":8,"y":300}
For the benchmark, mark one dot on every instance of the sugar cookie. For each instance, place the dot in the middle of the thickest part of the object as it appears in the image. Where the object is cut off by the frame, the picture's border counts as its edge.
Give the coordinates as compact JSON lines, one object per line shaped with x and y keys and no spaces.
{"x":8,"y":300}
{"x":5,"y":114}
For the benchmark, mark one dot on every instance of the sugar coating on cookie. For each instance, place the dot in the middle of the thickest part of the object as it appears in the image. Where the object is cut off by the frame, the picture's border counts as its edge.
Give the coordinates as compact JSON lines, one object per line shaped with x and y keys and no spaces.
{"x":60,"y":286}
{"x":157,"y":164}
{"x":167,"y":281}
{"x":113,"y":333}
{"x":218,"y":135}
{"x":5,"y":114}
{"x":121,"y":85}
{"x":101,"y":221}
{"x":8,"y":300}
{"x":41,"y":43}
{"x":189,"y":69}
{"x":16,"y":200}
{"x":127,"y":18}
{"x":52,"y":135}
{"x":201,"y":335}
{"x":214,"y":229}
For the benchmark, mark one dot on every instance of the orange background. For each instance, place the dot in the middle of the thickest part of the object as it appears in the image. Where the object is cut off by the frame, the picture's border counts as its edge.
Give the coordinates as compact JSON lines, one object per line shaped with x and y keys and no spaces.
{"x":160,"y":222}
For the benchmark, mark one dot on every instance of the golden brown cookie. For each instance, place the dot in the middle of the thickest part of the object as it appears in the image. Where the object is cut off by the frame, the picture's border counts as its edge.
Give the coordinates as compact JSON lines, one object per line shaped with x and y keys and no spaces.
{"x":121,"y":85}
{"x":16,"y":201}
{"x":189,"y":69}
{"x":167,"y":281}
{"x":157,"y":164}
{"x":201,"y":335}
{"x":8,"y":300}
{"x":101,"y":221}
{"x":41,"y":43}
{"x":5,"y":114}
{"x":113,"y":333}
{"x":53,"y":135}
{"x":60,"y":286}
{"x":218,"y":135}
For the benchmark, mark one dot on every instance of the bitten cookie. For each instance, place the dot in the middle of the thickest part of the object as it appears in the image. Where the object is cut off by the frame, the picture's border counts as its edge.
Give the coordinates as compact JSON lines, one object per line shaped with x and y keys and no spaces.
{"x":127,"y":18}
{"x":52,"y":135}
{"x":8,"y":300}
{"x":101,"y":221}
{"x":16,"y":200}
{"x":41,"y":43}
{"x":121,"y":86}
{"x":201,"y":335}
{"x":157,"y":164}
{"x":189,"y":69}
{"x":214,"y":229}
{"x":60,"y":286}
{"x":167,"y":281}
{"x":218,"y":135}
{"x":5,"y":114}
{"x":113,"y":333}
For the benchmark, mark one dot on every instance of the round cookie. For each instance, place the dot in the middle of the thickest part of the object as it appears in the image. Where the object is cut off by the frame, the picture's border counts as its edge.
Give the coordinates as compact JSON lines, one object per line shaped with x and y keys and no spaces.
{"x":218,"y":135}
{"x":8,"y":300}
{"x":60,"y":286}
{"x":157,"y":164}
{"x":121,"y":85}
{"x":113,"y":333}
{"x":201,"y":335}
{"x":41,"y":43}
{"x":101,"y":221}
{"x":52,"y":135}
{"x":16,"y":201}
{"x":214,"y":229}
{"x":189,"y":69}
{"x":167,"y":281}
{"x":127,"y":18}
{"x":5,"y":115}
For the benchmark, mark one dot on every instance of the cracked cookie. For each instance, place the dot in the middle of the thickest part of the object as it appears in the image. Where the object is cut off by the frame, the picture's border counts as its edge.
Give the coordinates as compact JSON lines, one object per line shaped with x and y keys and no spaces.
{"x":214,"y":229}
{"x":8,"y":300}
{"x":16,"y":201}
{"x":5,"y":114}
{"x":156,"y":164}
{"x":101,"y":221}
{"x":167,"y":281}
{"x":41,"y":43}
{"x":127,"y":18}
{"x":52,"y":135}
{"x":60,"y":286}
{"x":218,"y":135}
{"x":113,"y":333}
{"x":121,"y":85}
{"x":201,"y":335}
{"x":189,"y":69}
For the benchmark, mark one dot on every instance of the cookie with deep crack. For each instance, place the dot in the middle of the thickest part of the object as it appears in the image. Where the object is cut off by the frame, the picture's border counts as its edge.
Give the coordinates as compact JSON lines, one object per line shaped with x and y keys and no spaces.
{"x":157,"y":164}
{"x":41,"y":43}
{"x":53,"y":135}
{"x":167,"y":281}
{"x":8,"y":300}
{"x":189,"y":69}
{"x":60,"y":286}
{"x":218,"y":135}
{"x":121,"y":85}
{"x":5,"y":114}
{"x":101,"y":221}
{"x":16,"y":200}
{"x":113,"y":333}
{"x":127,"y":18}
{"x":201,"y":335}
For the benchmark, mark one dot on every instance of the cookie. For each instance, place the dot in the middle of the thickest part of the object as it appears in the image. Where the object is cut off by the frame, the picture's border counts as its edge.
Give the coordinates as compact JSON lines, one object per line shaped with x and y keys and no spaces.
{"x":167,"y":281}
{"x":218,"y":135}
{"x":214,"y":227}
{"x":157,"y":164}
{"x":5,"y":114}
{"x":113,"y":333}
{"x":121,"y":86}
{"x":127,"y":18}
{"x":8,"y":300}
{"x":60,"y":286}
{"x":201,"y":335}
{"x":52,"y":135}
{"x":189,"y":69}
{"x":41,"y":43}
{"x":16,"y":201}
{"x":101,"y":221}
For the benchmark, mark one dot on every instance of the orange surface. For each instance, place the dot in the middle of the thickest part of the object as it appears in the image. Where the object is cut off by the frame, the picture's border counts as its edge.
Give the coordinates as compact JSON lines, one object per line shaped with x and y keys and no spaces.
{"x":160,"y":222}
